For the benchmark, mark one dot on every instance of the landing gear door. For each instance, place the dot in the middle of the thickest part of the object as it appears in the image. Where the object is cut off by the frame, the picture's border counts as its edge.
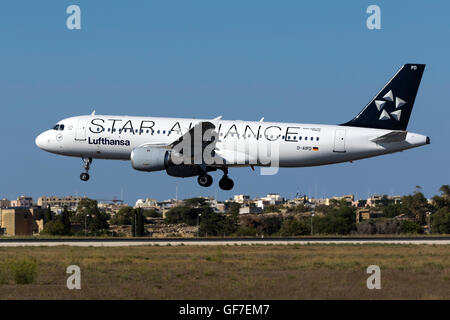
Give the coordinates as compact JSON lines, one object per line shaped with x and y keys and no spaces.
{"x":339,"y":140}
{"x":80,"y":133}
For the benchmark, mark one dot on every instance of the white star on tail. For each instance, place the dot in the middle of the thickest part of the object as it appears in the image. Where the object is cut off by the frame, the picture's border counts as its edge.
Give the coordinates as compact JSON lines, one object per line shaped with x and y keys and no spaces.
{"x":398,"y":104}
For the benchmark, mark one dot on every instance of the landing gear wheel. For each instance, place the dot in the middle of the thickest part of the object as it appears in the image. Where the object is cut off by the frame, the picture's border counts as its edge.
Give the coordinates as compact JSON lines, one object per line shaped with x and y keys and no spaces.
{"x":86,"y":165}
{"x":205,"y":180}
{"x":226,"y":183}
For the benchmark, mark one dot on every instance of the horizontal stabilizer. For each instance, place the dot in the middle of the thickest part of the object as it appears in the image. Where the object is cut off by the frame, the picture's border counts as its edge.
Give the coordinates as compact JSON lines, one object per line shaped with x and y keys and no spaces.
{"x":393,"y":136}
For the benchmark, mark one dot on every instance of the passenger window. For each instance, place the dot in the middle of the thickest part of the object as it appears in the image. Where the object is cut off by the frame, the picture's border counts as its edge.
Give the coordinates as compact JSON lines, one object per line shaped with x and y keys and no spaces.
{"x":317,"y":139}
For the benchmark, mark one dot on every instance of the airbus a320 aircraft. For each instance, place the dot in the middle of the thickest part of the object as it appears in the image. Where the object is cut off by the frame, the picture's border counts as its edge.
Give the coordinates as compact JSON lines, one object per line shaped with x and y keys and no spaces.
{"x":193,"y":147}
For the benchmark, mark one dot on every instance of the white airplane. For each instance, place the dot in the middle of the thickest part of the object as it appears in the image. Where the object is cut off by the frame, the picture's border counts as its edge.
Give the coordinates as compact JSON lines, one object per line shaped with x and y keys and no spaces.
{"x":194,"y":147}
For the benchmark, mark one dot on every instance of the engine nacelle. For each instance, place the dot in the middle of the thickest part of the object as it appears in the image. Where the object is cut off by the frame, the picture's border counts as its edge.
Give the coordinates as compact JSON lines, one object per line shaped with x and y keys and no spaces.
{"x":149,"y":159}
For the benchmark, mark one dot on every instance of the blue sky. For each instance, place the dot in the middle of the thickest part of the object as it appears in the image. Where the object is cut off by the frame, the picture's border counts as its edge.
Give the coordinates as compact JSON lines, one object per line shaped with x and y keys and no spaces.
{"x":310,"y":62}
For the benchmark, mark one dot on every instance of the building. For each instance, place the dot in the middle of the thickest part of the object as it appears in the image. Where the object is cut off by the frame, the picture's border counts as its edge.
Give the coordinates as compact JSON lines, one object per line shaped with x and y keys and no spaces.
{"x":377,"y":199}
{"x":57,"y":204}
{"x":5,"y":203}
{"x":147,"y":204}
{"x":21,"y":221}
{"x":22,"y":201}
{"x":318,"y":201}
{"x":250,"y":210}
{"x":241,"y":198}
{"x":349,"y":198}
{"x":111,"y":208}
{"x":272,"y":199}
{"x":366,"y":214}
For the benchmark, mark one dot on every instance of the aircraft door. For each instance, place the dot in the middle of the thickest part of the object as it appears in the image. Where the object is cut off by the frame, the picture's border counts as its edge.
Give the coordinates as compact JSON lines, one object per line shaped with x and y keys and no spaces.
{"x":339,"y":140}
{"x":80,"y":133}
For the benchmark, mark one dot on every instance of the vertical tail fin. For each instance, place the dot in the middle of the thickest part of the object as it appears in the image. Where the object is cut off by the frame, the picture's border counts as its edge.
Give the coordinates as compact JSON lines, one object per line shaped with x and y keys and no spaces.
{"x":392,"y":106}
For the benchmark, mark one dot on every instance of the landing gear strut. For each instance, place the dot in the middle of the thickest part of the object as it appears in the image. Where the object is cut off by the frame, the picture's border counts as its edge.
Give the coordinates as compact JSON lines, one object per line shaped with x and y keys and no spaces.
{"x":226,"y":183}
{"x":86,"y":165}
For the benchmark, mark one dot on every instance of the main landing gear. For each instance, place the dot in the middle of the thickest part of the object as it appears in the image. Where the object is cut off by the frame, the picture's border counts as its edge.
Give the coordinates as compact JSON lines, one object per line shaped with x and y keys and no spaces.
{"x":205,"y":180}
{"x":86,"y":165}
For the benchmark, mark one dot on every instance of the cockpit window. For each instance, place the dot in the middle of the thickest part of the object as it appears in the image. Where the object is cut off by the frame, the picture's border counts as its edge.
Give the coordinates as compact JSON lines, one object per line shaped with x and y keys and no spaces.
{"x":59,"y":127}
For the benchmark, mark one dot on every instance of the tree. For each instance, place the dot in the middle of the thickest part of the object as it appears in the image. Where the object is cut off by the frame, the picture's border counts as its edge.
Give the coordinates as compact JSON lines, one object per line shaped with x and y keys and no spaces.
{"x":445,"y":189}
{"x":233,"y":209}
{"x":88,"y":212}
{"x":65,"y":219}
{"x":216,"y":224}
{"x":441,"y":221}
{"x":48,"y":214}
{"x":151,"y":213}
{"x":337,"y":220}
{"x":137,"y":223}
{"x":416,"y":206}
{"x":260,"y":224}
{"x":54,"y":228}
{"x":407,"y":226}
{"x":123,"y":216}
{"x":184,"y":215}
{"x":295,"y":227}
{"x":58,"y":226}
{"x":392,"y":210}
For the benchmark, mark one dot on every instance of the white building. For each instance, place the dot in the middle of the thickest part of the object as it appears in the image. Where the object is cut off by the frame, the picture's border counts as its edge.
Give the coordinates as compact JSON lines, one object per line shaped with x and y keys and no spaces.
{"x":241,"y":198}
{"x":147,"y":203}
{"x":22,"y":201}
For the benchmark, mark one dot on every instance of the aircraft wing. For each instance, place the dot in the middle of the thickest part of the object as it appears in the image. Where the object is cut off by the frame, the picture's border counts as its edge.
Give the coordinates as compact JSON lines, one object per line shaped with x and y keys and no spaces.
{"x":393,"y":136}
{"x":195,"y":133}
{"x":200,"y":136}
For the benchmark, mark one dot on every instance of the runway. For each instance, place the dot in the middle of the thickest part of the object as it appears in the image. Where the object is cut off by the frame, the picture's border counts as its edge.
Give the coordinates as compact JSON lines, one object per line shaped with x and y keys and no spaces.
{"x":126,"y":242}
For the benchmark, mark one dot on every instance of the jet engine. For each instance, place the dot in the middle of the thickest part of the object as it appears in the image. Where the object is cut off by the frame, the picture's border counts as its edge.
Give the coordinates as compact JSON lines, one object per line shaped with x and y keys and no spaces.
{"x":149,"y":159}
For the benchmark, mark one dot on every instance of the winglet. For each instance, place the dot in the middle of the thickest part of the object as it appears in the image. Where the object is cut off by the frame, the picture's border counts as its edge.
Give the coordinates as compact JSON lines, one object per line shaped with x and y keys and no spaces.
{"x":93,"y":113}
{"x":262,"y":119}
{"x":216,"y":119}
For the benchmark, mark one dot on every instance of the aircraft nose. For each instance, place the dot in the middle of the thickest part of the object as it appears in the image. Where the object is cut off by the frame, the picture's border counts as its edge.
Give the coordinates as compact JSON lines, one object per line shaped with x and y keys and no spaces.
{"x":40,"y":140}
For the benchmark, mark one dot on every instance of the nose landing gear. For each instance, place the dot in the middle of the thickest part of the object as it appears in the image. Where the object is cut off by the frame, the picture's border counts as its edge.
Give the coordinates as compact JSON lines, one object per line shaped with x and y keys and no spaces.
{"x":84,"y":176}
